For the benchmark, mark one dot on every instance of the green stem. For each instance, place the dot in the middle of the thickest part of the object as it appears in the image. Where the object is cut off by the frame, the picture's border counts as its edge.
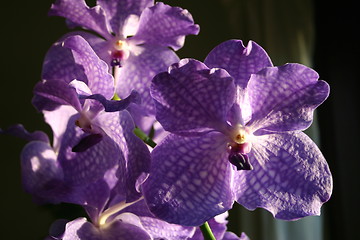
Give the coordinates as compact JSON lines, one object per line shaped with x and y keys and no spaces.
{"x":144,"y":137}
{"x":206,"y":231}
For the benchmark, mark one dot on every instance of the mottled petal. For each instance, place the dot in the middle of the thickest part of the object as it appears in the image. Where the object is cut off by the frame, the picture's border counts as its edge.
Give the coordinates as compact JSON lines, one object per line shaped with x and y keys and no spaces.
{"x":90,"y":165}
{"x":239,"y":61}
{"x":96,"y":70}
{"x":284,"y":98}
{"x":42,"y":176}
{"x":136,"y":155}
{"x":117,"y":12}
{"x":126,"y":226}
{"x":49,"y":95}
{"x":165,"y":26}
{"x":157,"y":228}
{"x":190,"y":96}
{"x":190,"y":179}
{"x":293,"y":180}
{"x":79,"y":13}
{"x":140,"y":68}
{"x":59,"y":63}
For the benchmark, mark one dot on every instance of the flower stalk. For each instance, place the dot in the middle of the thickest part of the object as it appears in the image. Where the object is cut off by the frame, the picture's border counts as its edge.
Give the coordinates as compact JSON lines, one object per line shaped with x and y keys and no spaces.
{"x":206,"y":231}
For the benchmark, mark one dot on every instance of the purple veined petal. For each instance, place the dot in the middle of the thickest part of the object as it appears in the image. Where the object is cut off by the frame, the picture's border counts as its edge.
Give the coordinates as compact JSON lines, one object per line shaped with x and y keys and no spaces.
{"x":49,"y":95}
{"x":140,"y":68}
{"x":90,"y":165}
{"x":157,"y":228}
{"x":115,"y":105}
{"x":118,"y":11}
{"x":239,"y":61}
{"x":100,"y":81}
{"x":190,"y":179}
{"x":136,"y":154}
{"x":165,"y":26}
{"x":42,"y":176}
{"x":19,"y":131}
{"x":59,"y":63}
{"x":293,"y":181}
{"x":284,"y":98}
{"x":191,"y":96}
{"x":125,"y":226}
{"x":79,"y":13}
{"x":93,"y":197}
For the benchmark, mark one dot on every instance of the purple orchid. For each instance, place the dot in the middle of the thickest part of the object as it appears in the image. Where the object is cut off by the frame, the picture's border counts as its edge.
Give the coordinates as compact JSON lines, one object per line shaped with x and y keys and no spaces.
{"x":135,"y":40}
{"x":121,"y":220}
{"x":93,"y":136}
{"x":236,"y":135}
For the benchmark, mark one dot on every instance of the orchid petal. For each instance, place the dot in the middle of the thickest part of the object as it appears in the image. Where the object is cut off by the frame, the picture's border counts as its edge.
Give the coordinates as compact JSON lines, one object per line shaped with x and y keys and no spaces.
{"x":140,"y":68}
{"x":136,"y":160}
{"x":239,"y":61}
{"x":166,"y":26}
{"x":96,"y":70}
{"x":79,"y":13}
{"x":293,"y":180}
{"x":284,"y":98}
{"x":190,"y":180}
{"x":190,"y":96}
{"x":49,"y":95}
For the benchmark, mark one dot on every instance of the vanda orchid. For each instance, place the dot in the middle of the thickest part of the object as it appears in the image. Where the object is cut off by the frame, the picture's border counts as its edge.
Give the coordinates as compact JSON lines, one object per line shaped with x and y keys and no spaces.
{"x":235,"y":123}
{"x":133,"y":37}
{"x":234,"y":129}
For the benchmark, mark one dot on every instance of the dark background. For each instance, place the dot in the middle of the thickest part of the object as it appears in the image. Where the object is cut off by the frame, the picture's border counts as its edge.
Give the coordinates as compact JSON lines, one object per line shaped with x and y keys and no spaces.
{"x":27,"y":32}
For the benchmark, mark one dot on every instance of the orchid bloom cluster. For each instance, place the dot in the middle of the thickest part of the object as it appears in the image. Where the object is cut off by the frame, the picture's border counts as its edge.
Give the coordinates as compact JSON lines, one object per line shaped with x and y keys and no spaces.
{"x":231,"y":128}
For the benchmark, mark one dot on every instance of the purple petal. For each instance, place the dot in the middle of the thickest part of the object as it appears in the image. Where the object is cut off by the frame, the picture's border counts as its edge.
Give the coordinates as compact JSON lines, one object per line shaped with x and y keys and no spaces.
{"x":59,"y":64}
{"x":96,"y":70}
{"x":166,"y":26}
{"x":49,"y":95}
{"x":42,"y":176}
{"x":79,"y":13}
{"x":294,"y":180}
{"x":239,"y":61}
{"x":157,"y":228}
{"x":136,"y":154}
{"x":126,"y":226}
{"x":117,"y":12}
{"x":58,"y":121}
{"x":190,"y":179}
{"x":19,"y":131}
{"x":190,"y":96}
{"x":284,"y":98}
{"x":140,"y":68}
{"x":88,"y":166}
{"x":115,"y":105}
